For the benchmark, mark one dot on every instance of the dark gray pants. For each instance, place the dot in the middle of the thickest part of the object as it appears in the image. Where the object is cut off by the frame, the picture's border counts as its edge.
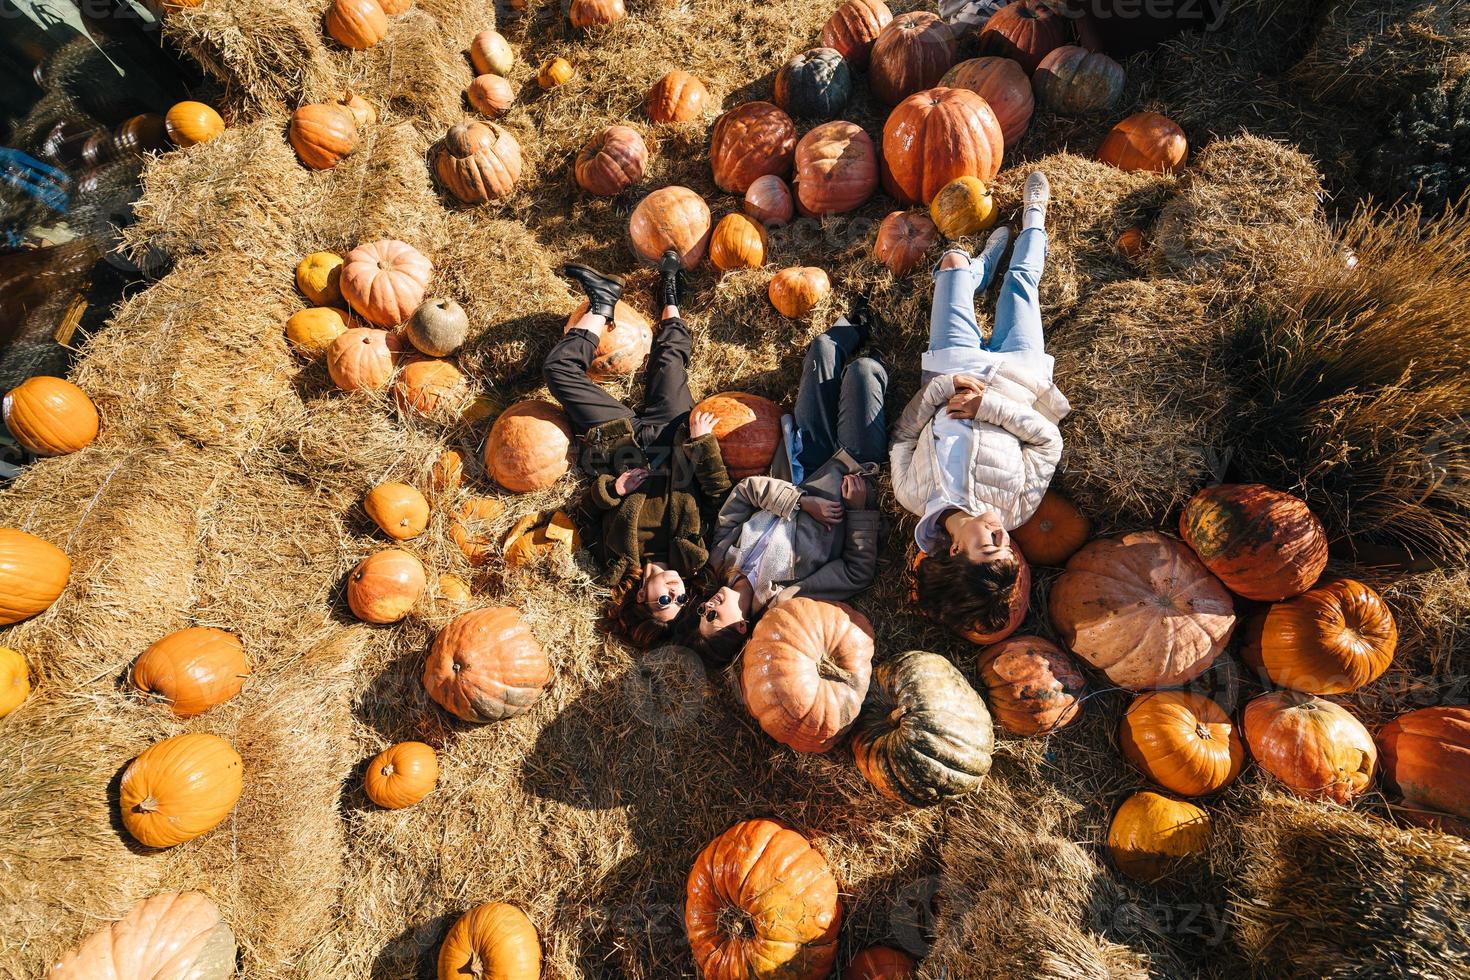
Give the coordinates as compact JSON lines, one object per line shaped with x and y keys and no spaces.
{"x":840,"y":402}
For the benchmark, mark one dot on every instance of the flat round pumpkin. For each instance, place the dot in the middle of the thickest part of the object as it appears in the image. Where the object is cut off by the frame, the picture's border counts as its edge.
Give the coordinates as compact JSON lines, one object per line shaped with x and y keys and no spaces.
{"x":903,"y":239}
{"x":1181,"y":740}
{"x":1328,"y":640}
{"x":50,"y":416}
{"x":33,"y":574}
{"x":192,"y":670}
{"x":611,"y":161}
{"x":1262,"y":543}
{"x":478,"y":162}
{"x":385,"y":281}
{"x":1055,"y":532}
{"x":180,"y":788}
{"x":748,"y":429}
{"x":1145,"y":141}
{"x":815,"y":84}
{"x":529,"y":447}
{"x":1074,"y":80}
{"x":490,"y":95}
{"x":795,"y":292}
{"x":486,"y":666}
{"x":677,"y":97}
{"x":175,"y":934}
{"x":385,"y":586}
{"x":431,"y":386}
{"x":312,"y":331}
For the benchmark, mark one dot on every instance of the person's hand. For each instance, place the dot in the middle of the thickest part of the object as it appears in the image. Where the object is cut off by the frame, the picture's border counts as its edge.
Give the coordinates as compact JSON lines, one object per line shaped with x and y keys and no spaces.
{"x":701,"y":424}
{"x":826,"y":512}
{"x":855,"y":492}
{"x":965,"y":402}
{"x":630,"y":480}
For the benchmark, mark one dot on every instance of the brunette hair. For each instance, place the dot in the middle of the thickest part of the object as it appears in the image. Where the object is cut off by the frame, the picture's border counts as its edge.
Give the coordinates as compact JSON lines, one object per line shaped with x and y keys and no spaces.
{"x":722,"y":648}
{"x":627,"y":617}
{"x":964,"y":596}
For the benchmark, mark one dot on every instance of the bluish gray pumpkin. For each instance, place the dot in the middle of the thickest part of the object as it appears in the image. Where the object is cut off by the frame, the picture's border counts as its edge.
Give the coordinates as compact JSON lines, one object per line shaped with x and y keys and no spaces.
{"x":816,"y":84}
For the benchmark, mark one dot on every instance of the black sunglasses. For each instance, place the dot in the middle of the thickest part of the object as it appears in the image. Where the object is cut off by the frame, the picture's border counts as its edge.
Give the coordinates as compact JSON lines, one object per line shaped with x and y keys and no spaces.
{"x":665,"y":599}
{"x":712,"y":615}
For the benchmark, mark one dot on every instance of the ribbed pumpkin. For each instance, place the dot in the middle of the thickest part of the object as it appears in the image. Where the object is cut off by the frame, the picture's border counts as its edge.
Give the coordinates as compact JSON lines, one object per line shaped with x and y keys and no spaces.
{"x":363,"y":358}
{"x":768,"y":201}
{"x":963,"y":207}
{"x":1074,"y":80}
{"x":737,"y":243}
{"x":180,"y":788}
{"x":50,"y":416}
{"x":1143,"y":610}
{"x":431,"y":386}
{"x":1426,"y":759}
{"x":748,"y":428}
{"x":1145,"y":141}
{"x":192,"y":670}
{"x":1034,"y":687}
{"x":15,"y":680}
{"x":761,"y":902}
{"x":1003,"y":84}
{"x":357,"y":24}
{"x":384,"y":281}
{"x":677,"y":97}
{"x":1262,"y":543}
{"x":490,"y":53}
{"x":401,"y":775}
{"x":1026,"y":31}
{"x":494,"y":941}
{"x":815,"y":84}
{"x":836,"y":168}
{"x":1055,"y":532}
{"x":611,"y":161}
{"x":624,"y":345}
{"x":33,"y":573}
{"x":478,"y":162}
{"x":490,"y":95}
{"x":924,"y":735}
{"x":910,"y":54}
{"x":470,"y":528}
{"x":933,"y":137}
{"x":853,"y":27}
{"x":750,"y":141}
{"x":172,"y":935}
{"x":486,"y":666}
{"x":319,"y":277}
{"x":1315,"y":747}
{"x":400,"y":511}
{"x":880,"y":963}
{"x":903,"y":239}
{"x":385,"y":586}
{"x":1181,"y":740}
{"x":805,"y":672}
{"x":671,"y":217}
{"x":438,"y":327}
{"x":1130,"y":244}
{"x":1328,"y":640}
{"x":529,"y":446}
{"x":311,"y":332}
{"x":322,"y":135}
{"x":1020,"y":602}
{"x":554,"y":73}
{"x":190,"y":123}
{"x":596,"y":13}
{"x":796,"y":292}
{"x":1152,"y":834}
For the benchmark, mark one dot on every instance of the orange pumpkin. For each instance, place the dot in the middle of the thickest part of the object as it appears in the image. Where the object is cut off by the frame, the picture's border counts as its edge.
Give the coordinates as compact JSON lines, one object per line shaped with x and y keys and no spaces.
{"x":1003,"y":84}
{"x":490,"y":95}
{"x":880,"y":963}
{"x":363,"y":358}
{"x":903,"y":238}
{"x":611,"y":161}
{"x":478,"y":162}
{"x":677,"y":97}
{"x":964,"y":206}
{"x":385,"y":586}
{"x":363,"y":112}
{"x":33,"y":573}
{"x":175,"y":934}
{"x":836,"y":168}
{"x":1152,"y":834}
{"x":453,"y":589}
{"x":357,"y":24}
{"x":853,"y":27}
{"x":910,"y":54}
{"x":192,"y":670}
{"x":1034,"y":687}
{"x":486,"y":666}
{"x":15,"y":680}
{"x":796,"y":292}
{"x":1145,"y":141}
{"x":431,"y":386}
{"x":490,"y":53}
{"x":933,"y":137}
{"x":1315,"y":747}
{"x":470,"y":531}
{"x":180,"y":788}
{"x":762,"y":902}
{"x":1181,"y":740}
{"x":529,"y":447}
{"x":1262,"y":543}
{"x":1328,"y":640}
{"x":554,"y":73}
{"x":1019,"y":604}
{"x":1026,"y":31}
{"x":446,"y":473}
{"x":768,"y":200}
{"x":1074,"y":80}
{"x":805,"y":672}
{"x":595,"y":13}
{"x":50,"y":416}
{"x":400,"y":511}
{"x":385,"y":281}
{"x":671,"y":217}
{"x":750,"y":141}
{"x":624,"y":345}
{"x":1143,"y":610}
{"x":737,"y":243}
{"x":311,"y":332}
{"x":322,"y":135}
{"x":319,"y":277}
{"x":1426,"y":760}
{"x":494,"y":941}
{"x":537,"y":535}
{"x":1055,"y":532}
{"x":401,"y":775}
{"x":190,"y":123}
{"x":748,"y":428}
{"x":1131,"y":244}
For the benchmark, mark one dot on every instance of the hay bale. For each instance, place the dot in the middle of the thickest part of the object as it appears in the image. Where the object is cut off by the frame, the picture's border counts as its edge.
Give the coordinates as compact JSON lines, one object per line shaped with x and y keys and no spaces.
{"x":266,"y":54}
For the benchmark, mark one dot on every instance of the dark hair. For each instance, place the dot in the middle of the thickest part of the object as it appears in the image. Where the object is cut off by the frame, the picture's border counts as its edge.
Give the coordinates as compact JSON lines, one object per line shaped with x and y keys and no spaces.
{"x":722,"y":648}
{"x":627,"y":617}
{"x":964,"y":596}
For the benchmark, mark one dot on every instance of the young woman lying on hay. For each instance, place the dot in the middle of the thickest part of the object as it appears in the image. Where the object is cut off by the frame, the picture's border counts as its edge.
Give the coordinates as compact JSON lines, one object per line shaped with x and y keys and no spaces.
{"x":975,"y":449}
{"x":654,"y":471}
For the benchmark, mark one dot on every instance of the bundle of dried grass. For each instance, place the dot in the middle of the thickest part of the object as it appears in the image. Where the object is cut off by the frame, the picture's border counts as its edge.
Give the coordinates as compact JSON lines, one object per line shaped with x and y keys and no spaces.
{"x":266,"y":54}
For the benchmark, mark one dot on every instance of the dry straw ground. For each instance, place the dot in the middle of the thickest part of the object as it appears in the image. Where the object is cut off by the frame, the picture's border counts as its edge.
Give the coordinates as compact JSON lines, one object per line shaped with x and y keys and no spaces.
{"x":224,"y":491}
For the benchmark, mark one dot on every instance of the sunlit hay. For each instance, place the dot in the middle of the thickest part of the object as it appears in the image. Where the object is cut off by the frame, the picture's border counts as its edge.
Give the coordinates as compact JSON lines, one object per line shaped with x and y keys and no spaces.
{"x":267,"y":54}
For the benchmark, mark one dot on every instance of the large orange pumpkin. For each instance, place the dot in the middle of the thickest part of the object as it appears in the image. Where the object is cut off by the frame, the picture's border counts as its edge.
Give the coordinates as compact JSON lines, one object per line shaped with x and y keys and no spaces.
{"x":749,"y":141}
{"x":172,"y":935}
{"x":385,"y":585}
{"x":1026,"y":31}
{"x":671,"y":217}
{"x":1315,"y":747}
{"x":1426,"y":759}
{"x":880,"y":963}
{"x":1055,"y":532}
{"x":400,"y":511}
{"x":50,"y":416}
{"x":1262,"y":543}
{"x":431,"y":386}
{"x":805,"y":672}
{"x":1034,"y":687}
{"x":486,"y":666}
{"x":494,"y":941}
{"x":33,"y":573}
{"x":903,"y":239}
{"x":357,"y":24}
{"x":385,"y":281}
{"x":853,"y":27}
{"x":836,"y":168}
{"x":934,"y":136}
{"x":1145,"y":141}
{"x":1143,"y":610}
{"x":761,"y":902}
{"x":363,"y":358}
{"x":737,"y":243}
{"x":1181,"y":740}
{"x":1152,"y":834}
{"x":529,"y":447}
{"x":478,"y":162}
{"x":748,"y":428}
{"x":15,"y":680}
{"x":796,"y":292}
{"x":401,"y":775}
{"x":1003,"y":84}
{"x":192,"y":670}
{"x":180,"y":788}
{"x":1328,"y":640}
{"x":322,"y":135}
{"x":611,"y":161}
{"x":1020,"y":601}
{"x":470,"y":528}
{"x":910,"y":54}
{"x":624,"y":345}
{"x":768,"y":200}
{"x":677,"y":97}
{"x":1075,"y":80}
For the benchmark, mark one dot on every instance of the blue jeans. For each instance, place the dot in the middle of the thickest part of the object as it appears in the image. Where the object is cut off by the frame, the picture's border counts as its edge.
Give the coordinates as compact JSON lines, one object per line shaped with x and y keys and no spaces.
{"x":1017,"y":311}
{"x":839,"y":404}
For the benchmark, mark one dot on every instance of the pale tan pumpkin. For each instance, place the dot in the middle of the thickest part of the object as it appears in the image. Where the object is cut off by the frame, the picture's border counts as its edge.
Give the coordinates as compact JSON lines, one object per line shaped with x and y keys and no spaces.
{"x":172,"y":936}
{"x":385,"y":281}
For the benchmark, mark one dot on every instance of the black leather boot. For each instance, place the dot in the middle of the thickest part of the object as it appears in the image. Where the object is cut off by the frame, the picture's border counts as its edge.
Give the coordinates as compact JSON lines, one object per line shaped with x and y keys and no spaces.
{"x":672,"y":282}
{"x":603,"y":291}
{"x":861,"y":315}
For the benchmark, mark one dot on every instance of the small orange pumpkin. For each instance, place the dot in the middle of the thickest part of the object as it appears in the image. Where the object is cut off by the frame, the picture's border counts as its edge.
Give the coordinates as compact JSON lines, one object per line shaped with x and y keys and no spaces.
{"x":796,"y":292}
{"x":33,"y":573}
{"x":385,"y":585}
{"x":748,"y":429}
{"x":1328,"y":640}
{"x":671,"y":217}
{"x":1152,"y":834}
{"x":768,"y":200}
{"x":490,"y":95}
{"x":1131,"y":244}
{"x":478,"y":162}
{"x":322,"y":135}
{"x":363,"y":358}
{"x":880,"y":963}
{"x":1034,"y":687}
{"x":431,"y":386}
{"x":400,"y":511}
{"x":357,"y":24}
{"x":191,"y":123}
{"x":677,"y":97}
{"x":529,"y":447}
{"x":385,"y":281}
{"x":1055,"y":532}
{"x":312,"y":332}
{"x":1145,"y":141}
{"x":469,"y":528}
{"x":750,"y":141}
{"x":494,"y":941}
{"x":180,"y":788}
{"x":401,"y":775}
{"x":963,"y":207}
{"x":486,"y":666}
{"x":319,"y":277}
{"x":611,"y":161}
{"x":192,"y":670}
{"x":50,"y":416}
{"x":903,"y":238}
{"x":624,"y":345}
{"x":1262,"y":543}
{"x":1317,"y":748}
{"x":1181,"y":740}
{"x":596,"y":13}
{"x":737,"y":243}
{"x":15,"y":680}
{"x":554,"y":73}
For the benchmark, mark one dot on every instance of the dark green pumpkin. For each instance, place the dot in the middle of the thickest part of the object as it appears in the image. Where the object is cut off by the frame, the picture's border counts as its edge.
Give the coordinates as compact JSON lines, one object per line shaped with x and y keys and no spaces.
{"x":816,"y":84}
{"x":924,"y":735}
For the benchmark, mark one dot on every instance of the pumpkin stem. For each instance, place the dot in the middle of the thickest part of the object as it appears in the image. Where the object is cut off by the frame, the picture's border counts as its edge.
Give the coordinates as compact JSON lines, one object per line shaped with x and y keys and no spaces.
{"x":476,"y":966}
{"x":736,"y":923}
{"x":1202,"y":731}
{"x":387,"y":770}
{"x":147,"y":805}
{"x":827,"y":670}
